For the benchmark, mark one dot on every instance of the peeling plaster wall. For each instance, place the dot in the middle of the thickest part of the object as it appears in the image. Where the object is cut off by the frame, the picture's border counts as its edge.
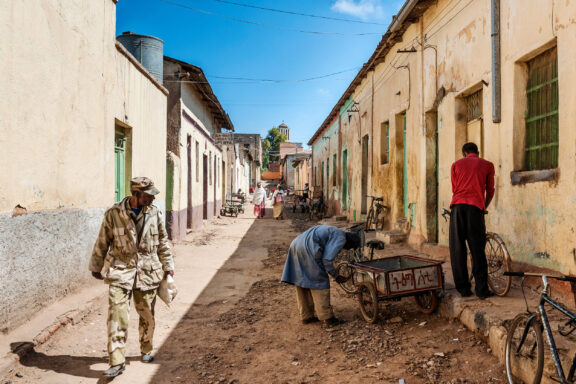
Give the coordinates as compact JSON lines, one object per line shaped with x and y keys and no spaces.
{"x":44,"y":256}
{"x":534,"y":219}
{"x":190,"y":117}
{"x":324,"y":150}
{"x":452,"y":59}
{"x":393,"y":97}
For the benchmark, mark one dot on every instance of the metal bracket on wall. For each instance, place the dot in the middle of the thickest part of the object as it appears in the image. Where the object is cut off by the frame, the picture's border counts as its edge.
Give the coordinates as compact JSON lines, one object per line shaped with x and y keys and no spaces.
{"x":354,"y":107}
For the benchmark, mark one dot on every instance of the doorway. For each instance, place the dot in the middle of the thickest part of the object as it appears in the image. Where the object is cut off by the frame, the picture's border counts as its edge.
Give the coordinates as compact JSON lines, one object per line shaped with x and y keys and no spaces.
{"x":432,"y":176}
{"x":405,"y":166}
{"x":122,"y":160}
{"x":345,"y":179}
{"x":205,"y":187}
{"x":401,"y":171}
{"x":364,"y":204}
{"x":215,"y":174}
{"x":189,"y":183}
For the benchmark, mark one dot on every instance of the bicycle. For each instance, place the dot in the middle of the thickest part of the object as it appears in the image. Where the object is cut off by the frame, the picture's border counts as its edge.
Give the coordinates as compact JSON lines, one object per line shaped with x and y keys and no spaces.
{"x":345,"y":263}
{"x":376,"y":213}
{"x":317,"y":206}
{"x":524,"y":342}
{"x":498,"y":259}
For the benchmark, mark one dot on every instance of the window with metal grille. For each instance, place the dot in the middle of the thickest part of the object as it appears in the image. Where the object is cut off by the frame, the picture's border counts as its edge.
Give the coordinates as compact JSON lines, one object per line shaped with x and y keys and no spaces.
{"x":474,"y":106}
{"x":541,"y":141}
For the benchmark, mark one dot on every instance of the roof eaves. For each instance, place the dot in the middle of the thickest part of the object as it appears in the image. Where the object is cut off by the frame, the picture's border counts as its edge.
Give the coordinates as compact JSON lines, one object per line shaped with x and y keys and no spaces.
{"x":203,"y":85}
{"x":393,"y":34}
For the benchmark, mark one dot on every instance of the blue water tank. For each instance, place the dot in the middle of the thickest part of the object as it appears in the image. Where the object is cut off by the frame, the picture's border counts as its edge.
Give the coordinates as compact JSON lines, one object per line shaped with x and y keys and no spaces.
{"x":148,"y":50}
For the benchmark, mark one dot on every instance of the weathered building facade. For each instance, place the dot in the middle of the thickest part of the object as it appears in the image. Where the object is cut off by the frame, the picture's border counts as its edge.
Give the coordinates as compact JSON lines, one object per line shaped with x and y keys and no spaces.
{"x":80,"y":117}
{"x":196,"y":163}
{"x":446,"y":72}
{"x":302,"y":164}
{"x":288,"y":154}
{"x":243,"y":154}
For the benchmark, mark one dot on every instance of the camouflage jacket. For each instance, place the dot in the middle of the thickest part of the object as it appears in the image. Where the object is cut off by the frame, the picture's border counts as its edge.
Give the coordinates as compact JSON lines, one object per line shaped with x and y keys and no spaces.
{"x":122,"y":260}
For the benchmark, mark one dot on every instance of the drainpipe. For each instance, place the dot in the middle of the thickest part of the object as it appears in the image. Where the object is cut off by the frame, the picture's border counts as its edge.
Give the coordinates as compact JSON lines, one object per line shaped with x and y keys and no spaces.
{"x":371,"y":155}
{"x":496,"y":69}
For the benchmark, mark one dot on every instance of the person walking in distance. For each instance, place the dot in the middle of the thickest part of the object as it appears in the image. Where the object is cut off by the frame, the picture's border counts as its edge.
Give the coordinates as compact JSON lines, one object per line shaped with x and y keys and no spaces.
{"x":259,"y":201}
{"x":132,"y":255}
{"x":472,"y":192}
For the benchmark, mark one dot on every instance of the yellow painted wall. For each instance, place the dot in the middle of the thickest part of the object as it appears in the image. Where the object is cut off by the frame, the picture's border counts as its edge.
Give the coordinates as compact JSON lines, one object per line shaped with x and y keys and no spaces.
{"x":63,"y":85}
{"x":452,"y":58}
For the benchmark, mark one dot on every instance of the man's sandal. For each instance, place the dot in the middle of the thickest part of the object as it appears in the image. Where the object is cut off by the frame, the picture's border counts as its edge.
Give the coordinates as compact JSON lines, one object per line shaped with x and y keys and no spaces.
{"x":114,"y":370}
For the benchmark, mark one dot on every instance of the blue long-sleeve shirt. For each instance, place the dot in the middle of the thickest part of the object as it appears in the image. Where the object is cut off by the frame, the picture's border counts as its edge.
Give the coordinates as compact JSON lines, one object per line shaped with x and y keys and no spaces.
{"x":311,"y":256}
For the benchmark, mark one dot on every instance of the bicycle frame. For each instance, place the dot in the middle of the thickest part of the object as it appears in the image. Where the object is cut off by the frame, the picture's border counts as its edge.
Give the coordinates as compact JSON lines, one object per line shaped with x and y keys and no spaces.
{"x":544,"y":298}
{"x":375,"y":210}
{"x":542,"y":317}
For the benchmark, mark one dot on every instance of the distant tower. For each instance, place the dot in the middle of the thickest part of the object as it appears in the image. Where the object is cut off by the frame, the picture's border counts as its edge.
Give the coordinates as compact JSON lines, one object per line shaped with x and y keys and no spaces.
{"x":283,"y":128}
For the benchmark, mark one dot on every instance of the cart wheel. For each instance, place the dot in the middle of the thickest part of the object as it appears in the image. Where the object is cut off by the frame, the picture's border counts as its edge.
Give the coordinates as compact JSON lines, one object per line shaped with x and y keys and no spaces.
{"x":368,"y":302}
{"x":344,"y":269}
{"x":427,"y":302}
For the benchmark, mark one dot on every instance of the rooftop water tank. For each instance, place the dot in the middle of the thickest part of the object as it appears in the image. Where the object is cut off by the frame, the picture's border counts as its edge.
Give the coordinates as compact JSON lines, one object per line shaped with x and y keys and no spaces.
{"x":148,"y":50}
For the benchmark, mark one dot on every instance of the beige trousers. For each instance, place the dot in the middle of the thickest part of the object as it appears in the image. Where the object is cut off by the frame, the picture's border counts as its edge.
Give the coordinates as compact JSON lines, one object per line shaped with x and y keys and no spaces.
{"x":314,"y":301}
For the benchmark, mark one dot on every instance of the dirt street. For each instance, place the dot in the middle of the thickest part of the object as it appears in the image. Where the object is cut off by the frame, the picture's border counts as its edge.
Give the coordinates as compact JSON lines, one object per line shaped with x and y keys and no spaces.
{"x":234,"y":322}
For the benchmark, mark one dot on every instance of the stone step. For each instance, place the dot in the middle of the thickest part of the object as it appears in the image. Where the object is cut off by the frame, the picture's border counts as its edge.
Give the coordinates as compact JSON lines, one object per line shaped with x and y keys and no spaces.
{"x":392,"y":237}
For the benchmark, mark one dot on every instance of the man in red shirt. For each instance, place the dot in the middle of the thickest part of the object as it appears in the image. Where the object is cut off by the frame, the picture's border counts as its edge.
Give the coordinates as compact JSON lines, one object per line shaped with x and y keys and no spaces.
{"x":472,"y":189}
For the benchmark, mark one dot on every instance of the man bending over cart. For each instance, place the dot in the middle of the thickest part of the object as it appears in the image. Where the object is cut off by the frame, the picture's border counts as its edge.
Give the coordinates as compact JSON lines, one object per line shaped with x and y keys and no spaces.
{"x":309,"y":262}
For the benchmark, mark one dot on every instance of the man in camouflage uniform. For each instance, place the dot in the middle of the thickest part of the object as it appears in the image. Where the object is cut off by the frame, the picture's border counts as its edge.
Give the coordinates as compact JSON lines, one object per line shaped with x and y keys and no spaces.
{"x":132,"y":255}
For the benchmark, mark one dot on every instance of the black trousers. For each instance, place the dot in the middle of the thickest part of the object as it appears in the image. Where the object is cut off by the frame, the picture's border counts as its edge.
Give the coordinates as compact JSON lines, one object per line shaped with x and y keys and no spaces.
{"x":467,"y":225}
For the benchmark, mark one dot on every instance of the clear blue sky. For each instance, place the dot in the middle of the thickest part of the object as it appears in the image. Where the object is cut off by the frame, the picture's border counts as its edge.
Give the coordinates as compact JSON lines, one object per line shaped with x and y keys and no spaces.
{"x":226,"y":48}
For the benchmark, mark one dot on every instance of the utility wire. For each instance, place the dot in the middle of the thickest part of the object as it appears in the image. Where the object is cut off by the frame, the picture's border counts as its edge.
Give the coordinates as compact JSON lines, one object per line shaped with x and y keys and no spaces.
{"x":267,"y":25}
{"x":286,"y":81}
{"x":246,"y":80}
{"x":298,"y":13}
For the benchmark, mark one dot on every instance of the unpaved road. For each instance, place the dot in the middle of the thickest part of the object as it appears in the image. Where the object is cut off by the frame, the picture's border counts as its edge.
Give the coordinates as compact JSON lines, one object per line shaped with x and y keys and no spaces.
{"x":244,"y":328}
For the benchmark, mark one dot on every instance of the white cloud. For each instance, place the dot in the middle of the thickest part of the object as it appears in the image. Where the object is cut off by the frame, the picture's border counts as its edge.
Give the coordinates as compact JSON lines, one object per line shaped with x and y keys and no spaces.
{"x":363,"y":9}
{"x":323,"y":92}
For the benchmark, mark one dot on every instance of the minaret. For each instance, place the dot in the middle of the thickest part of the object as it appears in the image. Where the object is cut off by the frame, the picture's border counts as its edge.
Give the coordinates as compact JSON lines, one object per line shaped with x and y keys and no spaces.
{"x":283,"y":128}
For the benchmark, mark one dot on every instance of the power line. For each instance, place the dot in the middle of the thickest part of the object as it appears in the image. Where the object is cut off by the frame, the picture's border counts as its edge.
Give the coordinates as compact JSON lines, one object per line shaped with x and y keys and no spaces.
{"x":298,"y":13}
{"x":247,"y":80}
{"x":267,"y":25}
{"x":286,"y":81}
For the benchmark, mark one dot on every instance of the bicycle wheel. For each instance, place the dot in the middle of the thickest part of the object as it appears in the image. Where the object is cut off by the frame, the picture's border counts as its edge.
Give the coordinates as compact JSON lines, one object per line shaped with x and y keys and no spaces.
{"x":498,"y":262}
{"x":368,"y":302}
{"x":318,"y":211}
{"x":370,"y":219}
{"x":346,"y":270}
{"x":427,"y":302}
{"x":524,"y":350}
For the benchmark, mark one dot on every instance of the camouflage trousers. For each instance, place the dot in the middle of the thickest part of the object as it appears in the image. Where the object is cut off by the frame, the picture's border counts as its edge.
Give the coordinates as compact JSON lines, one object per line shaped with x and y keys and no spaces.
{"x":119,"y":317}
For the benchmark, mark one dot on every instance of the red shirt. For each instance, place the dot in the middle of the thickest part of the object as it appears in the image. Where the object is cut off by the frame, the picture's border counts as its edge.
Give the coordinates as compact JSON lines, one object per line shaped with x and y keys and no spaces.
{"x":472,"y":181}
